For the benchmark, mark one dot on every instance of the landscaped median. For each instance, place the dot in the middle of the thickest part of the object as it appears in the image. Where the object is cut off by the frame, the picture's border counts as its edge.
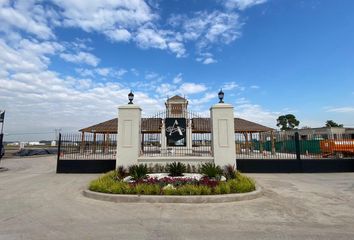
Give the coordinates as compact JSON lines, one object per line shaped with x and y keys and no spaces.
{"x":139,"y":184}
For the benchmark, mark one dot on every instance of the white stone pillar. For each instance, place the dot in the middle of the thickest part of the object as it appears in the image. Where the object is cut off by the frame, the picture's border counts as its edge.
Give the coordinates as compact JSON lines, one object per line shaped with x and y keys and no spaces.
{"x":163,"y":139}
{"x":129,"y":135}
{"x":189,"y":135}
{"x":223,"y":134}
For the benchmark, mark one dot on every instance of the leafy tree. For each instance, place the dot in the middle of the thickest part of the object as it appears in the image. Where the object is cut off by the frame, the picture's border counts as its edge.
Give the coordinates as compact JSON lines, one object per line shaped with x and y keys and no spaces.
{"x":287,"y":122}
{"x":331,"y":123}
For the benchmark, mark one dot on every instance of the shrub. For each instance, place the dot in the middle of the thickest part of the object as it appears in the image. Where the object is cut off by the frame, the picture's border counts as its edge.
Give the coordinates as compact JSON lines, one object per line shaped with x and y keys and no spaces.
{"x":156,"y":168}
{"x":162,"y":168}
{"x":112,"y":174}
{"x":121,"y":172}
{"x":222,"y":188}
{"x":244,"y":183}
{"x":211,"y":170}
{"x":188,"y":189}
{"x":189,"y":169}
{"x":176,"y":169}
{"x":138,"y":172}
{"x":147,"y":189}
{"x":241,"y":184}
{"x":103,"y":184}
{"x":108,"y":183}
{"x":230,"y":172}
{"x":150,"y":168}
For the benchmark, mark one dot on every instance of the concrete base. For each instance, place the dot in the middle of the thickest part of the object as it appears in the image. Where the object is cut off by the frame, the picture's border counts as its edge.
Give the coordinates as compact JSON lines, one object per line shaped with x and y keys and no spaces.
{"x":186,"y":160}
{"x":222,"y":198}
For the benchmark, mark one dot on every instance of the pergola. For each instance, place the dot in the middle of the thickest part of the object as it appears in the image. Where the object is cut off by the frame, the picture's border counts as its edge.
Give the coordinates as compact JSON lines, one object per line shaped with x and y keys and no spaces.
{"x":199,"y":125}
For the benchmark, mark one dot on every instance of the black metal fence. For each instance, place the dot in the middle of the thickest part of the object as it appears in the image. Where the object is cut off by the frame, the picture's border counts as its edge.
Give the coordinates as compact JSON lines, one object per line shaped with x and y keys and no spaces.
{"x":90,"y":146}
{"x":89,"y":153}
{"x":280,"y":145}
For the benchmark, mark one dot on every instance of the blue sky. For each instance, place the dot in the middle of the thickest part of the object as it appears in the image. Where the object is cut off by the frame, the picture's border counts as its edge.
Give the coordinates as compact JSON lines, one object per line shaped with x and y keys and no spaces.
{"x":69,"y":64}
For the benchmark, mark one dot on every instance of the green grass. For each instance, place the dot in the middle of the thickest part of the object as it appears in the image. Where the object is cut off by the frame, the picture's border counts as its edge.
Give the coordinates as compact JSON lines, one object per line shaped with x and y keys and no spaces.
{"x":110,"y":183}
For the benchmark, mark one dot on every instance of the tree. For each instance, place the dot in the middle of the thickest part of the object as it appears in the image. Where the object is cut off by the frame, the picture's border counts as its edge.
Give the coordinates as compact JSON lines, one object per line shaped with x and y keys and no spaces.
{"x":287,"y":122}
{"x":331,"y":123}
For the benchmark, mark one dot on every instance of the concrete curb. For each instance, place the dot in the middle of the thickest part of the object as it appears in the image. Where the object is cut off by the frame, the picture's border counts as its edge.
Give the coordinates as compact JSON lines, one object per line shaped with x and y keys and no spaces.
{"x":126,"y":198}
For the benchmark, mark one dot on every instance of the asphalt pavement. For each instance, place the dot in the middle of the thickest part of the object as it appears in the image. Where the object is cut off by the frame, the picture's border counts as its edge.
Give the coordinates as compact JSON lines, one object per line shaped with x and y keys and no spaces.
{"x":36,"y":203}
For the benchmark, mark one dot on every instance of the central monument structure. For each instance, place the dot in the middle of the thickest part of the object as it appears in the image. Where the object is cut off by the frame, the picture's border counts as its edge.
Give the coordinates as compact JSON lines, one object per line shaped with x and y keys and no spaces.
{"x":176,"y":135}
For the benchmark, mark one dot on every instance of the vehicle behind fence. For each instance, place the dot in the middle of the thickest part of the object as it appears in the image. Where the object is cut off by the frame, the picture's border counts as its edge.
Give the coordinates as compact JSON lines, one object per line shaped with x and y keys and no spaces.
{"x":279,"y":145}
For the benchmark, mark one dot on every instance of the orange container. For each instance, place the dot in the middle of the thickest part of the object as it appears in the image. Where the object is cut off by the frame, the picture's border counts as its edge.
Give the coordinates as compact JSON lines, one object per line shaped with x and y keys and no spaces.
{"x":334,"y":147}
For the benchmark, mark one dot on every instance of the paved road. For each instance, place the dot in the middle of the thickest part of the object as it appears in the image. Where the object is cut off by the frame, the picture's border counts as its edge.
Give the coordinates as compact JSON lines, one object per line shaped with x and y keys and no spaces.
{"x":36,"y":203}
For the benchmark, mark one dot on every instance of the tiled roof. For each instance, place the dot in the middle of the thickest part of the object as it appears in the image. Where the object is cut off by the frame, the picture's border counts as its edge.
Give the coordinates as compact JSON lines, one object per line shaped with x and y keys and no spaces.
{"x":199,"y":125}
{"x":176,"y":97}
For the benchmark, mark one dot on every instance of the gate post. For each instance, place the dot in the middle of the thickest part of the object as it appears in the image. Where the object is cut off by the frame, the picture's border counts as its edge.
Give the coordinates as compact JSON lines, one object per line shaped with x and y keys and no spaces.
{"x":129,"y":135}
{"x":223,"y":134}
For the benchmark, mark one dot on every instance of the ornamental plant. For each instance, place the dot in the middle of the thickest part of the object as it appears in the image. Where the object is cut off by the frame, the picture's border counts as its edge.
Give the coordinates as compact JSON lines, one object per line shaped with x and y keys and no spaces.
{"x":109,"y":183}
{"x":211,"y":170}
{"x":122,"y":172}
{"x":230,"y":172}
{"x":138,"y":172}
{"x":176,"y":169}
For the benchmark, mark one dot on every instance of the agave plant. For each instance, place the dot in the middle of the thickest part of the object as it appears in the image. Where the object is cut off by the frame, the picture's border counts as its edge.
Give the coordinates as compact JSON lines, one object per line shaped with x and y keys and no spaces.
{"x":176,"y":169}
{"x":211,"y":170}
{"x":138,"y":172}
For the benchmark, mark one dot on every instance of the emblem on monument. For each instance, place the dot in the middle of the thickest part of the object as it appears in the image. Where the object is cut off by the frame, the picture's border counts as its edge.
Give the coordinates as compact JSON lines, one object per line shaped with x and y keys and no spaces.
{"x":175,"y":131}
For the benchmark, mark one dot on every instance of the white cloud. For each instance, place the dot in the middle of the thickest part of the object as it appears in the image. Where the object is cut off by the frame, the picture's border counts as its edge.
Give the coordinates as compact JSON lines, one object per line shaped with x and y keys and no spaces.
{"x":81,"y":57}
{"x":178,"y":48}
{"x":177,"y":79}
{"x":191,"y":88}
{"x":105,"y":15}
{"x":206,"y":58}
{"x":205,"y":99}
{"x":103,"y":71}
{"x":241,"y":101}
{"x":230,"y":86}
{"x":242,"y":4}
{"x":134,"y":71}
{"x":119,"y":35}
{"x":123,"y":21}
{"x":209,"y":60}
{"x":341,"y":109}
{"x":256,"y":113}
{"x":212,"y":28}
{"x":27,"y":55}
{"x":39,"y":99}
{"x":85,"y":72}
{"x":28,"y":16}
{"x":149,"y":38}
{"x":166,"y":89}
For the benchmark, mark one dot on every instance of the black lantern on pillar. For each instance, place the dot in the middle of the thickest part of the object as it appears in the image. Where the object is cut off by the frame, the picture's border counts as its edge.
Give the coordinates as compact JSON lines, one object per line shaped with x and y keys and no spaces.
{"x":221,"y":96}
{"x":130,"y":97}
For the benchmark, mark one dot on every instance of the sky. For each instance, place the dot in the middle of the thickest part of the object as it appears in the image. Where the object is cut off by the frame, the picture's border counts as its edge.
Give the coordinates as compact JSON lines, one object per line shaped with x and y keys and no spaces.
{"x":69,"y":64}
